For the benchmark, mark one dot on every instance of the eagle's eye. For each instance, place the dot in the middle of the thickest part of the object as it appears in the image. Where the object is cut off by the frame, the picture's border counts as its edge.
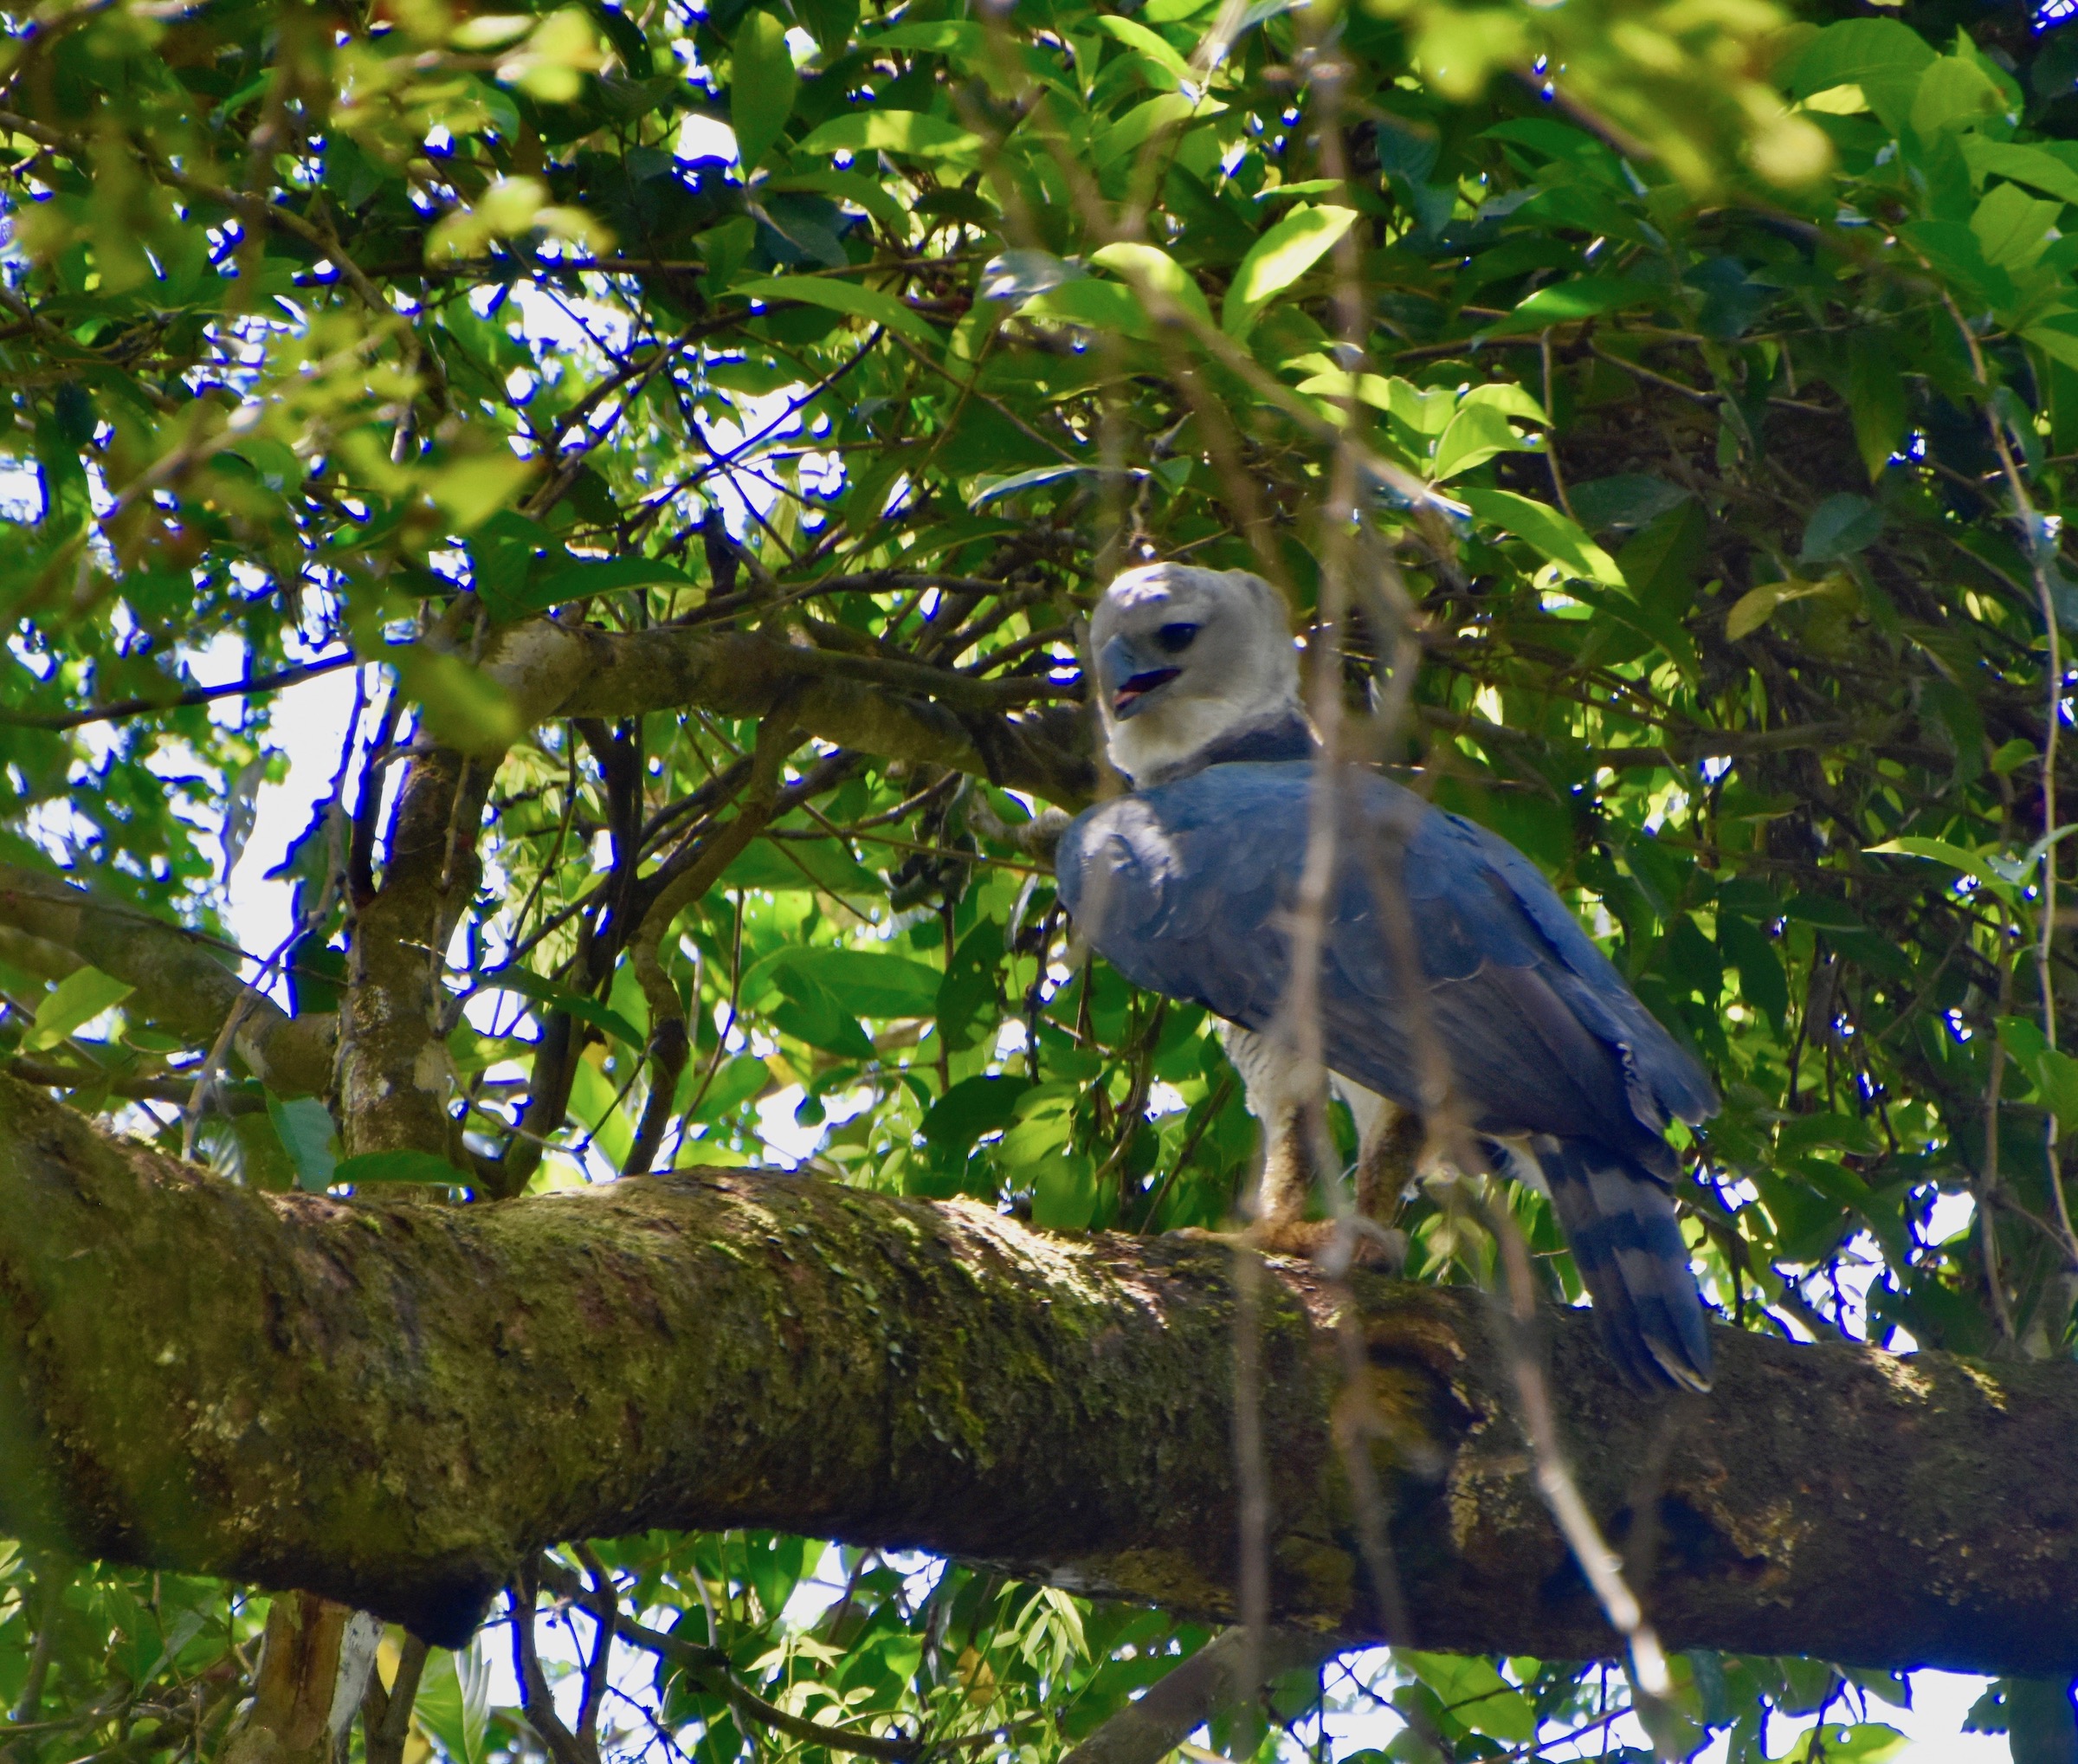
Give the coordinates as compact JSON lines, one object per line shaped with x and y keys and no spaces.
{"x":1175,"y":638}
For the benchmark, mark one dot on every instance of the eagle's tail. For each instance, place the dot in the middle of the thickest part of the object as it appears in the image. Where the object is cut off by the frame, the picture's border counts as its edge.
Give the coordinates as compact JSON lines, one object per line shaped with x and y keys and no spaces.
{"x":1619,"y":1221}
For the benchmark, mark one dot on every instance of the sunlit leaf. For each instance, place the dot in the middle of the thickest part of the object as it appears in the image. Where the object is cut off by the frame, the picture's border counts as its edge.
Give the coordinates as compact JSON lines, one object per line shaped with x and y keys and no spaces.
{"x":1278,"y":259}
{"x":908,"y":133}
{"x":868,"y":303}
{"x":1567,"y":302}
{"x":1476,"y":435}
{"x":1546,"y":530}
{"x":77,"y":1000}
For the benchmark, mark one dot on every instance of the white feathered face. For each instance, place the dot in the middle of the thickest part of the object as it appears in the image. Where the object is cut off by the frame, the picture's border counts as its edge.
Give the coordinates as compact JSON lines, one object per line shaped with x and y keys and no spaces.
{"x":1182,"y":656}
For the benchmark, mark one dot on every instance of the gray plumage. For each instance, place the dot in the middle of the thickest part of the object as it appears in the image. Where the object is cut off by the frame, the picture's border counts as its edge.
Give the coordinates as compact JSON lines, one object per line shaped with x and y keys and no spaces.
{"x":1187,"y":887}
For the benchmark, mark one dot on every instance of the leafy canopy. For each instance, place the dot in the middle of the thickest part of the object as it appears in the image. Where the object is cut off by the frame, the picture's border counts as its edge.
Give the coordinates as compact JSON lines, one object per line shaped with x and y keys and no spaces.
{"x":1668,"y":405}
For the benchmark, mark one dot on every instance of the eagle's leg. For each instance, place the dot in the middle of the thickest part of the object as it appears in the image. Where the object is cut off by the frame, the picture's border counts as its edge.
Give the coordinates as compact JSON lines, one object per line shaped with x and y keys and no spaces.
{"x":1389,"y":1143}
{"x":1287,"y":1172}
{"x":1288,"y":1175}
{"x":1268,"y":1083}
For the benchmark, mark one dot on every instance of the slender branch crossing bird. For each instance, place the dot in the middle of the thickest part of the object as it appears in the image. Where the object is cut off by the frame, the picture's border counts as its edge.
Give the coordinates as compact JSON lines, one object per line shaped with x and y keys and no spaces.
{"x":1453,"y":984}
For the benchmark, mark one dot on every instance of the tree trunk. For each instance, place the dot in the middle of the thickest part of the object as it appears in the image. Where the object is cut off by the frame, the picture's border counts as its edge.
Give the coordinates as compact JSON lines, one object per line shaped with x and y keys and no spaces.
{"x":390,"y":1402}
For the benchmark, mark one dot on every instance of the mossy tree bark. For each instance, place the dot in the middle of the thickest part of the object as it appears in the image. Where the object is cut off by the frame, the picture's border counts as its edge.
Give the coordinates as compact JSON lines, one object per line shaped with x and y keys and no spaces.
{"x":390,"y":1403}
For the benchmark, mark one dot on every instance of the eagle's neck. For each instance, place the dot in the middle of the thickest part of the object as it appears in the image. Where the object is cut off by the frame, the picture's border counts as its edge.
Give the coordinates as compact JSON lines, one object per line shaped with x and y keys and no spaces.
{"x":1282,"y":734}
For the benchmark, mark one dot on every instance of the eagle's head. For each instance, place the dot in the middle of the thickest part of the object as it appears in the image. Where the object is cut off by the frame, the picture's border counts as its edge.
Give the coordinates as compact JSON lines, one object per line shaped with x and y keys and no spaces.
{"x":1182,"y":658}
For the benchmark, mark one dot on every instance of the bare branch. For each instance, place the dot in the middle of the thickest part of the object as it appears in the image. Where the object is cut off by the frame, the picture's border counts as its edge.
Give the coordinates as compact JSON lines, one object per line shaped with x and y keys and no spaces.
{"x":1212,"y":1680}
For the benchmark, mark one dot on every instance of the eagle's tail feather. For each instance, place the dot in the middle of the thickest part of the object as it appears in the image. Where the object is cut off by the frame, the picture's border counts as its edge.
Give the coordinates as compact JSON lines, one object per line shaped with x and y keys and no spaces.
{"x":1620,"y":1224}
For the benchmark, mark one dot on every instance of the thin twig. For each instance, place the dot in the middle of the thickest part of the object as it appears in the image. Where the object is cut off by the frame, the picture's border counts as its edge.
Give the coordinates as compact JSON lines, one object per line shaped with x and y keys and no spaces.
{"x":124,"y":707}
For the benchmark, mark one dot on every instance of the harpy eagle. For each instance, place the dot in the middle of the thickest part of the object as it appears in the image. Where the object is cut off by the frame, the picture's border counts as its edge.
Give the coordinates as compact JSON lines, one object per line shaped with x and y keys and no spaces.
{"x":1187,"y":885}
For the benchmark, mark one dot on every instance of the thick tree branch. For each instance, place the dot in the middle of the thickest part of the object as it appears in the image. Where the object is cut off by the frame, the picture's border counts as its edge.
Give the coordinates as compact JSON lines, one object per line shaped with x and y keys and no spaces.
{"x":395,"y":1079}
{"x":865,"y":702}
{"x":396,"y":1404}
{"x":184,"y":983}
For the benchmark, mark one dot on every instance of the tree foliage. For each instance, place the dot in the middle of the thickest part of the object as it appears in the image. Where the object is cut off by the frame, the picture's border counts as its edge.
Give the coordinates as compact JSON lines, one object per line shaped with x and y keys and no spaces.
{"x":1656,"y":414}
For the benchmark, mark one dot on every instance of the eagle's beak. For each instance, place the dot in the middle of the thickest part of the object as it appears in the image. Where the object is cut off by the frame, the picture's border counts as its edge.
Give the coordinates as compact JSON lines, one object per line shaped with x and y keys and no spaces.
{"x":1122,"y":663}
{"x":1128,"y":697}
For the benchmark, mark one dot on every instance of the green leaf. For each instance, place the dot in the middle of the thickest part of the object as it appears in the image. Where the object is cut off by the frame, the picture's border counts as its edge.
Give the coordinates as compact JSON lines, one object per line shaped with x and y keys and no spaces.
{"x":970,"y":1108}
{"x":943,"y":36}
{"x":579,"y":581}
{"x":1868,"y":1742}
{"x":1096,"y":305}
{"x":811,"y":1012}
{"x":2055,"y":1072}
{"x":1045,"y":1121}
{"x":1278,"y":259}
{"x":2048,"y":166}
{"x":868,"y":303}
{"x":1474,"y":1694}
{"x":1144,"y":121}
{"x":1839,"y":527}
{"x":761,"y":87}
{"x":2057,"y":336}
{"x":462,"y":705}
{"x":994,"y":489}
{"x":737,"y":1081}
{"x":911,"y":133}
{"x":473,"y":489}
{"x":2013,"y":230}
{"x":1508,"y":399}
{"x":1425,"y":411}
{"x":1758,"y":605}
{"x":1145,"y":266}
{"x":1566,"y":302}
{"x":1940,"y":850}
{"x":870,"y":193}
{"x":1371,"y":389}
{"x":454,"y":1701}
{"x":866,"y":983}
{"x":1762,"y":982}
{"x":1157,"y":48}
{"x":594,"y":1104}
{"x":1546,"y":530}
{"x":1064,"y":1194}
{"x":308,"y":1134}
{"x":1875,"y":390}
{"x":585,"y":1008}
{"x":1882,"y":56}
{"x":1476,"y":435}
{"x":1659,"y":561}
{"x":1953,"y":93}
{"x":371,"y":1167}
{"x":80,"y":997}
{"x":778,"y":867}
{"x":1952,"y":252}
{"x":965,"y":1005}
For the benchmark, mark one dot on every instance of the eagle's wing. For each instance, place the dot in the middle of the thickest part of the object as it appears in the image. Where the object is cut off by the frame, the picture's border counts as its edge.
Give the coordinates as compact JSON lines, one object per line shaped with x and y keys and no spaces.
{"x":1162,"y":888}
{"x":1539,"y":1031}
{"x":1436,"y":926}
